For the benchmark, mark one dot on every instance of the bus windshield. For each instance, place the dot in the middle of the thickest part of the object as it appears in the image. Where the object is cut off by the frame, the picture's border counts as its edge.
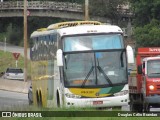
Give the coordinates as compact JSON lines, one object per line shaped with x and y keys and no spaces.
{"x":153,"y":68}
{"x":95,"y":68}
{"x":94,"y":60}
{"x":92,"y":42}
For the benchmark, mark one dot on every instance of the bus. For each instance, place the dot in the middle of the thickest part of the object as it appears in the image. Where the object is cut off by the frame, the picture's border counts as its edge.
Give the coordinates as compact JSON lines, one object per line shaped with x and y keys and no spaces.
{"x":80,"y":64}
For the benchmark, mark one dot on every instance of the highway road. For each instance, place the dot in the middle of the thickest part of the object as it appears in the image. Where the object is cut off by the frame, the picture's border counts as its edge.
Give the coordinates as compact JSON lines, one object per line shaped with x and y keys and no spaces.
{"x":13,"y":101}
{"x":19,"y":101}
{"x":11,"y":48}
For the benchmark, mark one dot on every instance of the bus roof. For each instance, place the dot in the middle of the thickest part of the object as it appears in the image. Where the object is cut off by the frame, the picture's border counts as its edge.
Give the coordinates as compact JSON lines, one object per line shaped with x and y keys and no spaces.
{"x":71,"y":24}
{"x":85,"y":29}
{"x":41,"y":32}
{"x":77,"y":27}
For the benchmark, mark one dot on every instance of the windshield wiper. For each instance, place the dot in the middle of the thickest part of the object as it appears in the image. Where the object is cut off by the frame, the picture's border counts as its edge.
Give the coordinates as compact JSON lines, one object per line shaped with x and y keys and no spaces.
{"x":121,"y":58}
{"x":105,"y":76}
{"x":102,"y":71}
{"x":89,"y":73}
{"x":66,"y":60}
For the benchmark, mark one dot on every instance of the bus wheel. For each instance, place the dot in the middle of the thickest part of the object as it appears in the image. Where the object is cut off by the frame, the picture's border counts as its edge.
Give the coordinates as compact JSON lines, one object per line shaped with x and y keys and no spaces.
{"x":146,"y":107}
{"x":139,"y":107}
{"x":136,"y":107}
{"x":58,"y":100}
{"x":132,"y":107}
{"x":39,"y":99}
{"x":132,"y":104}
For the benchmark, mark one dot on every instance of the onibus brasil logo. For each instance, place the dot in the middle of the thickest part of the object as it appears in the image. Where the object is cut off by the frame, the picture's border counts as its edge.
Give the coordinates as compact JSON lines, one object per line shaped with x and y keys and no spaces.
{"x":21,"y":114}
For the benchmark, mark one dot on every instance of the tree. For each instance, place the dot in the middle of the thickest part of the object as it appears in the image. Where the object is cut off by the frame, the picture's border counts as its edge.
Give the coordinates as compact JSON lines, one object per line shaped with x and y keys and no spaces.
{"x":145,"y":11}
{"x":146,"y":22}
{"x":14,"y":35}
{"x":107,"y":8}
{"x":149,"y":35}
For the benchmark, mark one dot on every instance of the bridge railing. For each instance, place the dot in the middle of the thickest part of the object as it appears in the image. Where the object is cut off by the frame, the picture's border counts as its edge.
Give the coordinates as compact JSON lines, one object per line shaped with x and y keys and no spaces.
{"x":44,"y":5}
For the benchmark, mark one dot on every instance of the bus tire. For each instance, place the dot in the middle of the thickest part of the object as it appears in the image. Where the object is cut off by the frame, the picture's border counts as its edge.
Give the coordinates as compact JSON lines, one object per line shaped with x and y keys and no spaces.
{"x":136,"y":103}
{"x":58,"y":100}
{"x":132,"y":107}
{"x":39,"y":98}
{"x":146,"y":107}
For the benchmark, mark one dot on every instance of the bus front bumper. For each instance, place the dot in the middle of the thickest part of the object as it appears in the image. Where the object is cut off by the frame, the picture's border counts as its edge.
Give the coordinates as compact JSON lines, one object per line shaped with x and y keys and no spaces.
{"x":97,"y":102}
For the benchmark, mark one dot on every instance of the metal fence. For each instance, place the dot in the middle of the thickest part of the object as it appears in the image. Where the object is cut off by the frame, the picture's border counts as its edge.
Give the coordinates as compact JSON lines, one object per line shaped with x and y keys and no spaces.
{"x":42,"y":5}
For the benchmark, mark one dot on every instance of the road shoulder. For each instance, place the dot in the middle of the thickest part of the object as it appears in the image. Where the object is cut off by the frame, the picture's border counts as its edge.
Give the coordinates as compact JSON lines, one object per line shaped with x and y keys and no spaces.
{"x":14,"y":85}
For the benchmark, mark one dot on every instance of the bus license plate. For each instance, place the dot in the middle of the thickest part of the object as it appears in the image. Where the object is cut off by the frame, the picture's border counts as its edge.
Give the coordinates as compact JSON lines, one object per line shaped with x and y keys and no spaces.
{"x":97,"y":102}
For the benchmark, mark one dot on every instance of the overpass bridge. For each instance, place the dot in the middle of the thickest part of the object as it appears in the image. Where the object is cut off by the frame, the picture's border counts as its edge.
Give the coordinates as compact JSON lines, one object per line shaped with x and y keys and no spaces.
{"x":46,"y":9}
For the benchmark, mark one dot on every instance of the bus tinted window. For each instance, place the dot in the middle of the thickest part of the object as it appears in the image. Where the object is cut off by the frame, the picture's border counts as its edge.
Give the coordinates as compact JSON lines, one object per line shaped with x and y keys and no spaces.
{"x":94,"y":42}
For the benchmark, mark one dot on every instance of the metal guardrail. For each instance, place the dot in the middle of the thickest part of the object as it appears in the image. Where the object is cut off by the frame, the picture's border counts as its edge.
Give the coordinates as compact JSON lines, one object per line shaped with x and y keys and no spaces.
{"x":41,"y":5}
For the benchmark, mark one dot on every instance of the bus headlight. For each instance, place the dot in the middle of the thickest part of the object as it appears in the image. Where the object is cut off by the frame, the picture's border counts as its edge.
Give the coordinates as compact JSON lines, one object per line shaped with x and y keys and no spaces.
{"x":121,"y":93}
{"x":72,"y":95}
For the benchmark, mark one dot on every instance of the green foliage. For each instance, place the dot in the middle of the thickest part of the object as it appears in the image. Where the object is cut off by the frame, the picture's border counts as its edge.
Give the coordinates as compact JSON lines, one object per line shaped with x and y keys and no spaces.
{"x":145,"y":11}
{"x":146,"y":22}
{"x":14,"y":34}
{"x":2,"y":37}
{"x":107,"y":8}
{"x":149,"y":35}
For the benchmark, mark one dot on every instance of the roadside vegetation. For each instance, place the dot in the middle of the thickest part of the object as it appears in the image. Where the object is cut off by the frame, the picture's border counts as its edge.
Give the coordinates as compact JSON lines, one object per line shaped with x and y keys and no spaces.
{"x":7,"y":60}
{"x":146,"y":22}
{"x":89,"y":118}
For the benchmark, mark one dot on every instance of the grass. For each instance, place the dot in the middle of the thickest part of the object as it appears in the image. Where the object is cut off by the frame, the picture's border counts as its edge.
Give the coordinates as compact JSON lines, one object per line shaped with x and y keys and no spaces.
{"x":87,"y":118}
{"x":91,"y":111}
{"x":7,"y":60}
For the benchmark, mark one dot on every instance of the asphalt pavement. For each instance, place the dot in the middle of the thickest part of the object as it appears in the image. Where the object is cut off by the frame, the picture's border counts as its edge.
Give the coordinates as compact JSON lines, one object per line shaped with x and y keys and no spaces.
{"x":13,"y":101}
{"x":14,"y":85}
{"x":16,"y":49}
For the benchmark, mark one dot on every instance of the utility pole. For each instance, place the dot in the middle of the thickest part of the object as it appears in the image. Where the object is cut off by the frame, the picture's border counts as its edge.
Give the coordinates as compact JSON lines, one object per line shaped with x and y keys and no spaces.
{"x":5,"y":44}
{"x":25,"y":40}
{"x":129,"y":28}
{"x":86,"y":9}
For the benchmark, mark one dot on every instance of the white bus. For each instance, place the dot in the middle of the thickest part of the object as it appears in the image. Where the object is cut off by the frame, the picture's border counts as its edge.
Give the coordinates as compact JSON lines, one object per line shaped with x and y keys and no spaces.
{"x":79,"y":64}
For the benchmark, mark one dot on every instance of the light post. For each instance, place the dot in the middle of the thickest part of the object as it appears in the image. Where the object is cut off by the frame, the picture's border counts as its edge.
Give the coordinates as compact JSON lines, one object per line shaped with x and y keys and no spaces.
{"x":25,"y":40}
{"x":5,"y":44}
{"x":86,"y":9}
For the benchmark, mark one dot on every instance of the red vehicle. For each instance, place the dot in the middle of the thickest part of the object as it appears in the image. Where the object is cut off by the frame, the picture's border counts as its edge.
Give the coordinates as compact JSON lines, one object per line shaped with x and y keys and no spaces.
{"x":144,"y":83}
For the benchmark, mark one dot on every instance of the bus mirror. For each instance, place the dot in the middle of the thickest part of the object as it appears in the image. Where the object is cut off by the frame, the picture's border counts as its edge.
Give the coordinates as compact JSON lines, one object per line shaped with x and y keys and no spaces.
{"x":130,"y":55}
{"x":139,"y":69}
{"x":59,"y":58}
